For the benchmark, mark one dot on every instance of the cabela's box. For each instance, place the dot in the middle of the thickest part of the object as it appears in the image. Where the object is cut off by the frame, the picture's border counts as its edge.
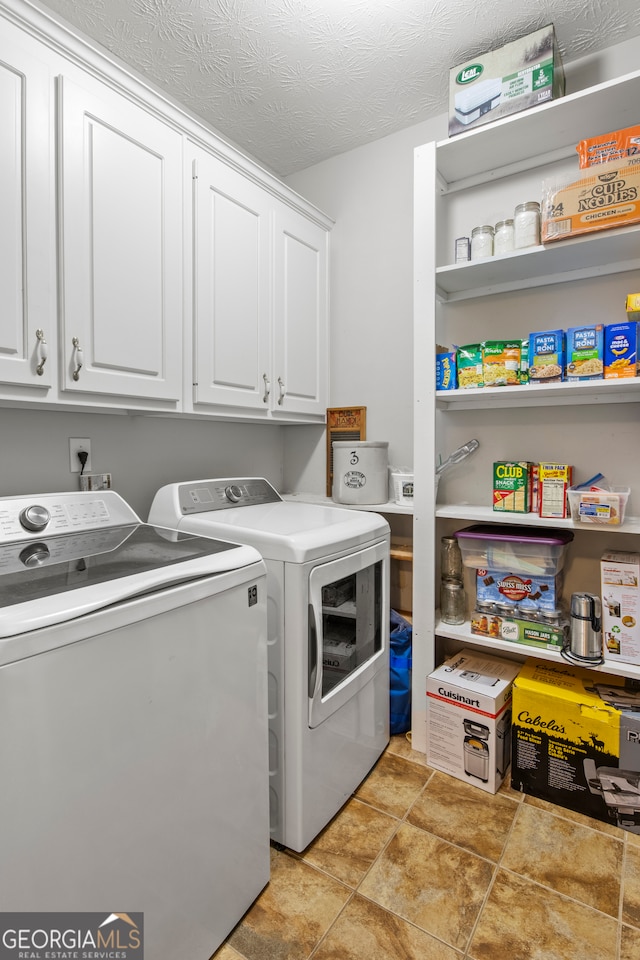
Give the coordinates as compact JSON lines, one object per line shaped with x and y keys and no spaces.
{"x":576,"y":741}
{"x":517,"y":76}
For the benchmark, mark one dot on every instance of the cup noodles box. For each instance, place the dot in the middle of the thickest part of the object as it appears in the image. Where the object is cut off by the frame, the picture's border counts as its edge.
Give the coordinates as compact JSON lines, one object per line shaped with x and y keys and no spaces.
{"x":620,"y":350}
{"x":514,"y":77}
{"x":547,"y":356}
{"x":469,"y":718}
{"x":607,"y":195}
{"x":585,"y":352}
{"x":620,"y":590}
{"x":618,"y":146}
{"x":576,"y":741}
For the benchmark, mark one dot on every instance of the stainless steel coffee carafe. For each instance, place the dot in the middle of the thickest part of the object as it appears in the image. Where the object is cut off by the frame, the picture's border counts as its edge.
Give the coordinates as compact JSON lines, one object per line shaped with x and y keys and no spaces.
{"x":586,"y":626}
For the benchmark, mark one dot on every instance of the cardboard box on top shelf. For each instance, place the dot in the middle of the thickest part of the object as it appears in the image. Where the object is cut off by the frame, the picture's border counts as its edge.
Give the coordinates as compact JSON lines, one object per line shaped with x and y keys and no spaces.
{"x":520,"y":75}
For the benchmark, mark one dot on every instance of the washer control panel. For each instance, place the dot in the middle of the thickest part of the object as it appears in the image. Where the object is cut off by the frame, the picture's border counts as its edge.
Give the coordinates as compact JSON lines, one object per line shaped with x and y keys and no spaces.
{"x":202,"y":496}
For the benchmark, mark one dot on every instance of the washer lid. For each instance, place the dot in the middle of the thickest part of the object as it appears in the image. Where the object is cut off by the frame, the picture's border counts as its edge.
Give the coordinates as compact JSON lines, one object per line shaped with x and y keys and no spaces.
{"x":279,"y":529}
{"x":84,"y":560}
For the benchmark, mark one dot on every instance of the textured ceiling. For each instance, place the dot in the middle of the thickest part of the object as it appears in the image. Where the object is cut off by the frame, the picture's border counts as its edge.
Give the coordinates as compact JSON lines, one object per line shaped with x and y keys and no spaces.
{"x":293,"y":82}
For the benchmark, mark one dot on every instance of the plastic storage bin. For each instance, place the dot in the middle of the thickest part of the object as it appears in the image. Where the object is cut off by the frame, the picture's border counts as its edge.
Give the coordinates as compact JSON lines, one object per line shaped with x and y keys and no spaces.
{"x":516,"y":549}
{"x":599,"y":506}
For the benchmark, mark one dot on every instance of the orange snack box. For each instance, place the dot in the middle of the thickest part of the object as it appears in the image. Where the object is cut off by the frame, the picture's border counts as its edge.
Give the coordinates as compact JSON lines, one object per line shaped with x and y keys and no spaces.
{"x":607,"y":195}
{"x":618,"y":146}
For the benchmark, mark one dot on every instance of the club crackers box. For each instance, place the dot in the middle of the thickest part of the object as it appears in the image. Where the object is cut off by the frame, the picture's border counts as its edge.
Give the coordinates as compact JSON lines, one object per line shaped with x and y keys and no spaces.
{"x":469,"y":718}
{"x":515,"y":77}
{"x":576,"y":740}
{"x":513,"y":486}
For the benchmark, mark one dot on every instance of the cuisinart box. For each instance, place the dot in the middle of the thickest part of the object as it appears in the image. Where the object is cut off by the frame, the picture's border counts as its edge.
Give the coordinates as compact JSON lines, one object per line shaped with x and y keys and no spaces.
{"x":576,"y":741}
{"x":469,"y":718}
{"x":515,"y":77}
{"x":620,"y":588}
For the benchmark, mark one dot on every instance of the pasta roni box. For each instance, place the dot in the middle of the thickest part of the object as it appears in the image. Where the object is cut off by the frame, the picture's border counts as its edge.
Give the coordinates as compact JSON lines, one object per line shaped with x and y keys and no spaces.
{"x":546,"y":356}
{"x":514,"y":77}
{"x":585,"y":352}
{"x":469,"y":718}
{"x":576,"y":741}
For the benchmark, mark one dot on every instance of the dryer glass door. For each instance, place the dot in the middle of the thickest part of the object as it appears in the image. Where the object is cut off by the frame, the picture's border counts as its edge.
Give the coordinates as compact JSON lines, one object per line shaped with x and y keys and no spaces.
{"x":348,"y":627}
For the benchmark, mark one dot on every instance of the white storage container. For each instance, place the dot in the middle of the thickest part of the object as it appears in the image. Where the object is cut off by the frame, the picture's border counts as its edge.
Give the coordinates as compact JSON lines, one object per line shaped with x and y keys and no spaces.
{"x":360,"y":471}
{"x":516,"y":549}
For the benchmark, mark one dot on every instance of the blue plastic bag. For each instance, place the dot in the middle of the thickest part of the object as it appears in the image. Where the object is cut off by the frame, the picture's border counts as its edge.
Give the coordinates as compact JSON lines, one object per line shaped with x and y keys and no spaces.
{"x":400,"y":638}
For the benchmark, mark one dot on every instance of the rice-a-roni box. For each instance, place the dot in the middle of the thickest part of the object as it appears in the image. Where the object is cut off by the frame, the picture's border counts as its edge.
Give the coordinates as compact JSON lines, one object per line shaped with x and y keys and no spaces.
{"x":519,"y":75}
{"x":469,"y":718}
{"x":576,"y":741}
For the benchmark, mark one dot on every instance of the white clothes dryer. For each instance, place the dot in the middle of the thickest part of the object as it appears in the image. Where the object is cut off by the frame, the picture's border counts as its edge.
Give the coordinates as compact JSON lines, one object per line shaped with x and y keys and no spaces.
{"x":328,"y":629}
{"x":133,"y":724}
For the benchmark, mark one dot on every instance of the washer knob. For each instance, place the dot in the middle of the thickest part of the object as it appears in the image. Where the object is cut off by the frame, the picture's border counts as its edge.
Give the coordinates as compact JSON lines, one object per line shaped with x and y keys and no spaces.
{"x":233,"y":492}
{"x":35,"y":554}
{"x":34,"y":517}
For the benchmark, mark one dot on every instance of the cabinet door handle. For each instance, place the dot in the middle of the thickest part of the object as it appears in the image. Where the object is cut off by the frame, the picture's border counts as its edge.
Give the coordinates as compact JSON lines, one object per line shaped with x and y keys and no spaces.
{"x":267,"y":388}
{"x":42,"y":351}
{"x":283,"y":392}
{"x":78,"y":358}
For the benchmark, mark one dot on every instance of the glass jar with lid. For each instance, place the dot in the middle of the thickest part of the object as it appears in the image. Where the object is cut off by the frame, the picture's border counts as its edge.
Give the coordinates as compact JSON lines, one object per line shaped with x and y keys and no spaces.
{"x":482,"y":242}
{"x":453,"y":603}
{"x":526,"y":225}
{"x":503,"y":237}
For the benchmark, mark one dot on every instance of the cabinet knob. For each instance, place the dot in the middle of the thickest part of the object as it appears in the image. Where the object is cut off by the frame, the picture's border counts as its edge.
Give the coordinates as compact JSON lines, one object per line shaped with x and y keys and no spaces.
{"x":42,"y":351}
{"x":78,"y":358}
{"x":283,"y":391}
{"x":267,"y":388}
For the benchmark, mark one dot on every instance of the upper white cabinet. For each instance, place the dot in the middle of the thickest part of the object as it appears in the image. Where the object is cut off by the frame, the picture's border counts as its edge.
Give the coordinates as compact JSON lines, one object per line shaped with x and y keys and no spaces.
{"x":120,"y":185}
{"x":261,"y":326}
{"x":232,"y":287}
{"x":301,"y":324}
{"x":27,"y":319}
{"x":144,"y":263}
{"x":475,"y":178}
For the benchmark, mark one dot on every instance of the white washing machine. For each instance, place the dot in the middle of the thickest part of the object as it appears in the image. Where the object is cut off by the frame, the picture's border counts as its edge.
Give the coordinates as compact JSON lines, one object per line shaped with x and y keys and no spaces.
{"x":328,"y":626}
{"x":133,"y":723}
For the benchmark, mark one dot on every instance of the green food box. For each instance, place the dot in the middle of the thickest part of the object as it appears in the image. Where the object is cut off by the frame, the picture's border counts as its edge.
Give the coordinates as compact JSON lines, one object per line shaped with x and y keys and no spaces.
{"x":512,"y":486}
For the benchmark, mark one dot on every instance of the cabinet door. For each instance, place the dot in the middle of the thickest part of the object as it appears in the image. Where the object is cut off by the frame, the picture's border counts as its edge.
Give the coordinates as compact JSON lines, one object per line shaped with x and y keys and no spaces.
{"x":121,"y":230}
{"x":301,"y":325}
{"x":232,"y":287}
{"x":27,"y":309}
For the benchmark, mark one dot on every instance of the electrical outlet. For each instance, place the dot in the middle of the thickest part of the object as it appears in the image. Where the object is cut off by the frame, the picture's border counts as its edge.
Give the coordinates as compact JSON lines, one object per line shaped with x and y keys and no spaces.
{"x":76,"y":446}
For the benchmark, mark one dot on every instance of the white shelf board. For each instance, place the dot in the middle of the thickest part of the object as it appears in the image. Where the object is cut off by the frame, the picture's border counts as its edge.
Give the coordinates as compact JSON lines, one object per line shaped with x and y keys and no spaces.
{"x":462,"y":633}
{"x":604,"y":252}
{"x":523,"y":139}
{"x":389,"y":507}
{"x":483,"y":514}
{"x":545,"y":394}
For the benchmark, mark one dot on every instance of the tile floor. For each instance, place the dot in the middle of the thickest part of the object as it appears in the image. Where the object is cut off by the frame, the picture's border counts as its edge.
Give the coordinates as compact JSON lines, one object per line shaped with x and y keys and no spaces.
{"x":421,"y":866}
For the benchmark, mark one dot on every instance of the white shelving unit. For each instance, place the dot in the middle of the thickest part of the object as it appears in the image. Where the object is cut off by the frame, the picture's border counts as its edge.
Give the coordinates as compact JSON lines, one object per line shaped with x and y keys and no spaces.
{"x":458,"y":184}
